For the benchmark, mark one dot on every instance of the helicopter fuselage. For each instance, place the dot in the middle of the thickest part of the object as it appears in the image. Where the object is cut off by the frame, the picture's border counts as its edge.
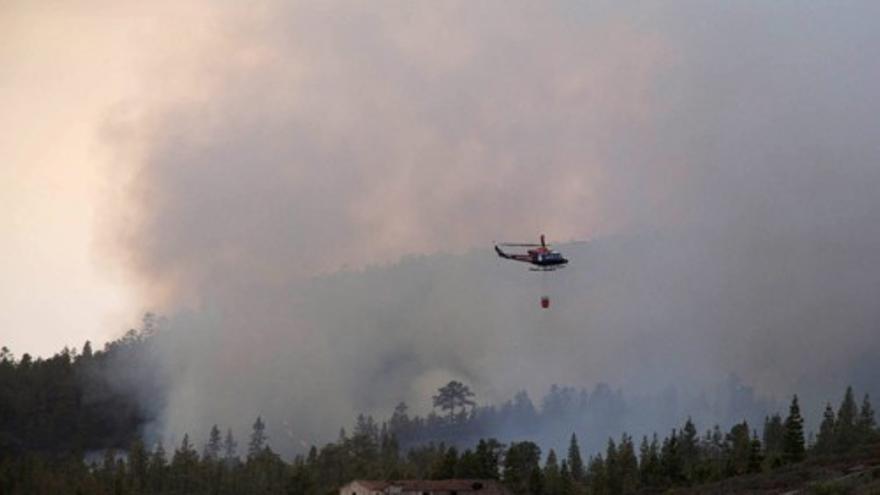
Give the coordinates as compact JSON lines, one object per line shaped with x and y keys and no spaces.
{"x":541,"y":257}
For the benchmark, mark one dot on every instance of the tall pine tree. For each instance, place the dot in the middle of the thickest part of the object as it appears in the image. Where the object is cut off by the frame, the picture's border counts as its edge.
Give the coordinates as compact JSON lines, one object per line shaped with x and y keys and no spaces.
{"x":575,"y":463}
{"x":774,"y":434}
{"x":628,"y":465}
{"x":230,"y":449}
{"x":866,"y":424}
{"x":522,"y":470}
{"x":846,"y":435}
{"x":137,"y":464}
{"x":613,"y":474}
{"x":597,"y":476}
{"x":825,"y":442}
{"x":488,"y":455}
{"x":552,"y":475}
{"x":156,"y":469}
{"x":689,"y":449}
{"x":213,"y":447}
{"x":649,"y":462}
{"x":258,"y":438}
{"x":756,"y":458}
{"x":738,"y":446}
{"x":184,"y":466}
{"x":793,"y":448}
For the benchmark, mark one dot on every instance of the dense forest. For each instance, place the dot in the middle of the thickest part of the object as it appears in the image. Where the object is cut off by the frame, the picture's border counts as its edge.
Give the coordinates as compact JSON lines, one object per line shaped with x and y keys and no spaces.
{"x":56,"y":413}
{"x":68,"y":402}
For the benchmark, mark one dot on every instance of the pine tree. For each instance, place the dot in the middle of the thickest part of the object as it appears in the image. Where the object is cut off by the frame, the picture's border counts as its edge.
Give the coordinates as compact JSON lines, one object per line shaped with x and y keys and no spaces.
{"x":156,"y":469}
{"x":670,"y":459}
{"x":8,"y":358}
{"x":866,"y":424}
{"x":119,"y":476}
{"x":688,"y":446}
{"x":184,"y":464}
{"x":628,"y":465}
{"x":649,"y":462}
{"x":488,"y":455}
{"x":399,"y":423}
{"x":713,"y":452}
{"x":738,"y":446}
{"x":230,"y":449}
{"x":86,"y":351}
{"x":845,"y":433}
{"x":756,"y":458}
{"x":536,"y":481}
{"x":258,"y":439}
{"x":825,"y":442}
{"x":568,"y":486}
{"x":108,"y":467}
{"x":793,"y":448}
{"x":520,"y":465}
{"x":774,"y":439}
{"x":468,"y":465}
{"x":774,"y":434}
{"x":445,"y":466}
{"x":613,"y":475}
{"x":364,"y":447}
{"x":389,"y":453}
{"x":213,"y":447}
{"x":552,"y":475}
{"x":575,"y":463}
{"x":597,"y":477}
{"x":137,"y":462}
{"x":452,"y":396}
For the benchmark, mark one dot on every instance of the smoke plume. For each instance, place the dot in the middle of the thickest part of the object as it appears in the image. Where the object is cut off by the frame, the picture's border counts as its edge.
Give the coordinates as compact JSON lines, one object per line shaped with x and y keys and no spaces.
{"x":312,"y":203}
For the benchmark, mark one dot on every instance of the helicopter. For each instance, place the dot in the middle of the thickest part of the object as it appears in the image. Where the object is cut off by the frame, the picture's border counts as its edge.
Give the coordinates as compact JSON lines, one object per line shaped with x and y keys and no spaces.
{"x":542,"y":257}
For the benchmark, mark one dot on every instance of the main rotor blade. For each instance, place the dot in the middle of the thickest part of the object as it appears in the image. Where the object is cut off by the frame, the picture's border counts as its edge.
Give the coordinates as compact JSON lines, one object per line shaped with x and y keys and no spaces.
{"x":513,"y":244}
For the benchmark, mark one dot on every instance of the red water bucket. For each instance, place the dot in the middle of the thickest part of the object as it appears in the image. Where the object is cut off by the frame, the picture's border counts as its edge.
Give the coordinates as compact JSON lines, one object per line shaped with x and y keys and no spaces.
{"x":545,"y":302}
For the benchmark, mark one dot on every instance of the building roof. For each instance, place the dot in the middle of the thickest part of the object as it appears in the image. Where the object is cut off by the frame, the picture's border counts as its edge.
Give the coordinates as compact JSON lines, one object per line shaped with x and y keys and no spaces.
{"x":489,"y":487}
{"x":375,"y":485}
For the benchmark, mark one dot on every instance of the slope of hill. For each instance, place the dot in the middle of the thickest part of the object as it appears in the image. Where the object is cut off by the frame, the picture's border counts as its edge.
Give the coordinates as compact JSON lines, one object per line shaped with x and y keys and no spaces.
{"x":854,"y":473}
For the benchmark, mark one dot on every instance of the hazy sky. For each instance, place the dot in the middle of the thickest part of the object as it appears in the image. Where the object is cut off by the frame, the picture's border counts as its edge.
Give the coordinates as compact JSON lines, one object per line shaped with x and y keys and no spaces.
{"x":63,"y":68}
{"x":415,"y":125}
{"x":74,"y":70}
{"x":208,"y":161}
{"x":68,"y":67}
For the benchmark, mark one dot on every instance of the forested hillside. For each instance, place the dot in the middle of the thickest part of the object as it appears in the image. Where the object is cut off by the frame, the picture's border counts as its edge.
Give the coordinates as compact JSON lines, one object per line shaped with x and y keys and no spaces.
{"x":57,"y":413}
{"x":70,"y":402}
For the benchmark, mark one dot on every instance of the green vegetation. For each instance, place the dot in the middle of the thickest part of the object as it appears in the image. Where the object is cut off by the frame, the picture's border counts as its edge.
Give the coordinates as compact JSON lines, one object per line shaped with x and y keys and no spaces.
{"x":69,"y":402}
{"x":53,"y":411}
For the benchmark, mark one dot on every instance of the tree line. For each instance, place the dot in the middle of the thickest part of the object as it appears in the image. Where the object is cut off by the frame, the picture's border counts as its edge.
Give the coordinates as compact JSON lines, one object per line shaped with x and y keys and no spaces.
{"x":91,"y":400}
{"x":457,"y":420}
{"x":70,"y":401}
{"x":371,"y":451}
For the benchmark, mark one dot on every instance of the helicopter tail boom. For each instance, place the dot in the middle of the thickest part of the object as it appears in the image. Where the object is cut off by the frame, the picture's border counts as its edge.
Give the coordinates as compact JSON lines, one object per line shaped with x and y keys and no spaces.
{"x":515,"y":257}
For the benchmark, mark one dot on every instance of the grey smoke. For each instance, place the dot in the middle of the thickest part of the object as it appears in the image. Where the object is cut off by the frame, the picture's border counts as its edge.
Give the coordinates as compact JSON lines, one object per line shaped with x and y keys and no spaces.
{"x":317,"y":223}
